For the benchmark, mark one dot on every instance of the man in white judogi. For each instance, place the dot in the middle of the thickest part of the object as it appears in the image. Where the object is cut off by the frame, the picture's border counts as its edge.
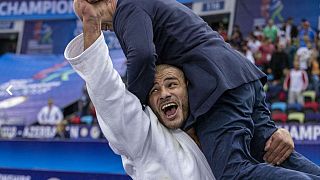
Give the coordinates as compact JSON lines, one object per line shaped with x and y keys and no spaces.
{"x":148,"y":148}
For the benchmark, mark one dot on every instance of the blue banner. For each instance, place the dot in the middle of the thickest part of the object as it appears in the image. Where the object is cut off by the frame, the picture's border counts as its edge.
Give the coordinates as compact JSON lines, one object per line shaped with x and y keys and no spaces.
{"x":303,"y":133}
{"x":36,"y":9}
{"x":47,"y":36}
{"x":213,"y":5}
{"x":73,"y":132}
{"x":18,"y":174}
{"x":35,"y":79}
{"x":250,"y":13}
{"x":94,"y":156}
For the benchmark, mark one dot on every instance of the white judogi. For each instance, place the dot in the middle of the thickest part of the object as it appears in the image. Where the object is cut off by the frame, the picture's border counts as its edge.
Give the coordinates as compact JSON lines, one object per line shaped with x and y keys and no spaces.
{"x":149,"y":150}
{"x":50,"y":116}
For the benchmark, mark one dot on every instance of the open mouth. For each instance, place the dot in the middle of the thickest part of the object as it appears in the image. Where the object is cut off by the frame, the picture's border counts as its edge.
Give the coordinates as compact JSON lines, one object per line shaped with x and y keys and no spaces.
{"x":170,"y":110}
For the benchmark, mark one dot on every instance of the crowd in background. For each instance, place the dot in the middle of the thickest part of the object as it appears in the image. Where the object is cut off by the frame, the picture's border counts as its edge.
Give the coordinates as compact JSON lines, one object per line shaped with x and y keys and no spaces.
{"x":289,"y":55}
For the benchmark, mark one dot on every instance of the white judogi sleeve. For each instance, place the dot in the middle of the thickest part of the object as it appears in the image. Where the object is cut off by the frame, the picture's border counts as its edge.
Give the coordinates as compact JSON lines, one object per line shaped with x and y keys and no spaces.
{"x":119,"y":112}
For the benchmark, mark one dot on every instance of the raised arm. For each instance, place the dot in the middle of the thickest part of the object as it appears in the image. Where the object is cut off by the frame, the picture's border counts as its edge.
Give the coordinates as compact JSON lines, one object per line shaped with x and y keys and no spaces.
{"x":119,"y":112}
{"x":134,"y":30}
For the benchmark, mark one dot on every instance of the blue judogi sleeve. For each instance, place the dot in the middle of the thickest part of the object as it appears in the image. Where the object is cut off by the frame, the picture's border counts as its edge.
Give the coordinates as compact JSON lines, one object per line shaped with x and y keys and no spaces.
{"x":135,"y":32}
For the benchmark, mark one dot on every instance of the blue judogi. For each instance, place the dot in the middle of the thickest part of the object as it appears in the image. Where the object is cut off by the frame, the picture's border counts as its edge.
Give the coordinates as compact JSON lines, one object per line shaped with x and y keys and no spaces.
{"x":233,"y":127}
{"x":166,"y":32}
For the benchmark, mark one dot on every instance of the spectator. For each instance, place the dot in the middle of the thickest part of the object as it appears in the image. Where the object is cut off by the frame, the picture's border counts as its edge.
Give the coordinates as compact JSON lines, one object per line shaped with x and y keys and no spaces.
{"x":271,"y":31}
{"x":295,"y":83}
{"x":258,"y":32}
{"x":222,"y":31}
{"x":264,"y":55}
{"x":306,"y":34}
{"x":315,"y":70}
{"x":303,"y":56}
{"x":247,"y":52}
{"x":291,"y":50}
{"x":236,"y":39}
{"x":50,"y":114}
{"x":291,"y":30}
{"x":253,"y":43}
{"x":279,"y":63}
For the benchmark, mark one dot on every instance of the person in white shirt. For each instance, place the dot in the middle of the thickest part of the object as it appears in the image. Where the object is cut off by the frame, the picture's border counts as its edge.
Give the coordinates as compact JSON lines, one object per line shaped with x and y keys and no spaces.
{"x":253,"y":43}
{"x":303,"y":55}
{"x":50,"y":114}
{"x":295,"y":83}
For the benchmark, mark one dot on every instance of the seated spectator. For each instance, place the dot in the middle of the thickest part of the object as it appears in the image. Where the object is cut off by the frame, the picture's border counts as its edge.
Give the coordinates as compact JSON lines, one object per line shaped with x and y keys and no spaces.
{"x":50,"y":114}
{"x":295,"y":83}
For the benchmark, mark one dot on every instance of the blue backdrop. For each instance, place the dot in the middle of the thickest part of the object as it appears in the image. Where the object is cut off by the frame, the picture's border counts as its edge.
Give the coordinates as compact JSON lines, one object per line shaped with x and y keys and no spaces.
{"x":51,"y":158}
{"x":34,"y":79}
{"x":250,"y":12}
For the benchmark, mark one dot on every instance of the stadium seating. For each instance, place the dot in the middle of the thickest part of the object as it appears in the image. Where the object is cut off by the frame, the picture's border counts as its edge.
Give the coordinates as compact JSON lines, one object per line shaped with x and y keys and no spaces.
{"x":296,"y":107}
{"x":311,"y":106}
{"x":280,"y":117}
{"x":282,"y":106}
{"x":296,"y":117}
{"x":312,"y":117}
{"x":87,"y":119}
{"x":309,"y":96}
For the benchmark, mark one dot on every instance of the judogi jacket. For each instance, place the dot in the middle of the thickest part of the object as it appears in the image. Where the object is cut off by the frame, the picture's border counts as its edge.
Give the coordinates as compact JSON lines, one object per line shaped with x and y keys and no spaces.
{"x":166,"y":32}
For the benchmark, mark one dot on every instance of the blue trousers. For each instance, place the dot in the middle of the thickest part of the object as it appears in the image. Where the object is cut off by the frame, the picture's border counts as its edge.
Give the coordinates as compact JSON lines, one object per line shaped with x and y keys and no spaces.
{"x":233,"y":136}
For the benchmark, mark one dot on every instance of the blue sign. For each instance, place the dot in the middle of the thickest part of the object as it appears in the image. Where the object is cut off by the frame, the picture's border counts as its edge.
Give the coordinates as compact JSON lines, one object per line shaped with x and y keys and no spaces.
{"x":249,"y":13}
{"x":11,"y":174}
{"x":36,"y":9}
{"x":75,"y":132}
{"x":303,"y":133}
{"x":35,"y":79}
{"x":93,"y":156}
{"x":46,"y":37}
{"x":6,"y":25}
{"x":213,"y":5}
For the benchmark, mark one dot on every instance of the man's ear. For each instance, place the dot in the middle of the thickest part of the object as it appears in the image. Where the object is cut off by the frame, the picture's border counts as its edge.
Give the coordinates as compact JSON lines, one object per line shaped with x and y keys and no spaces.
{"x":187,"y":83}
